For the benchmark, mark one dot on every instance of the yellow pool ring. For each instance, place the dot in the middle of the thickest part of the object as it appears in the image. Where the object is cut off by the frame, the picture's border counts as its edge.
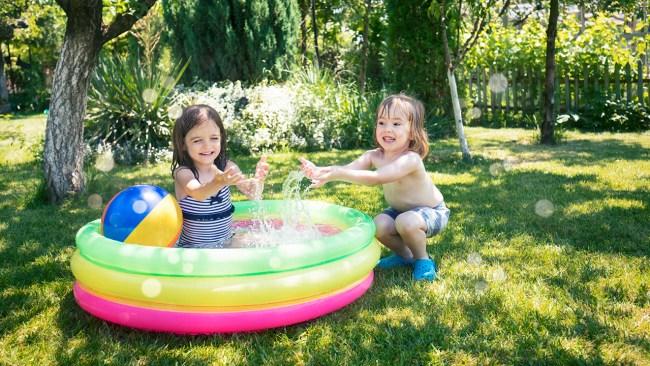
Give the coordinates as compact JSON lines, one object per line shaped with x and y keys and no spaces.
{"x":227,"y":291}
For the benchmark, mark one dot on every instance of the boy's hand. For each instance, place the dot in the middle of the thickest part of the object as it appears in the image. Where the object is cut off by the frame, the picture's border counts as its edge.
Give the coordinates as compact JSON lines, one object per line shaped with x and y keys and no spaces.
{"x":309,"y":169}
{"x":317,"y":175}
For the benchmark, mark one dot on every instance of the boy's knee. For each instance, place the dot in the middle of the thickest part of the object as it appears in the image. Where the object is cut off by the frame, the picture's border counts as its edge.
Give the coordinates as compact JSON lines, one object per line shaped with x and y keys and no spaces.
{"x":409,"y":221}
{"x":384,"y":226}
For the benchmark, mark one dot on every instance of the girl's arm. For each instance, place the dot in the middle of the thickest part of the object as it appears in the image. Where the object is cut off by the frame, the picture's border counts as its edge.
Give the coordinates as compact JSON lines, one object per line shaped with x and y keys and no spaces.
{"x":200,"y":191}
{"x":401,"y":167}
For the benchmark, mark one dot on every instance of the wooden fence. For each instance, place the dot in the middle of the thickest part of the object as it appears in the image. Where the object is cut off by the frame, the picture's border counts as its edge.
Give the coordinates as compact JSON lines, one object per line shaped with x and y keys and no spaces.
{"x":499,"y":95}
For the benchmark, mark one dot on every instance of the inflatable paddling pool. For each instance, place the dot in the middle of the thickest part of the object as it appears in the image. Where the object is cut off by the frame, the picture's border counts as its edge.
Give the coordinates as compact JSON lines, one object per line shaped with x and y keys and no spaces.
{"x":225,"y":290}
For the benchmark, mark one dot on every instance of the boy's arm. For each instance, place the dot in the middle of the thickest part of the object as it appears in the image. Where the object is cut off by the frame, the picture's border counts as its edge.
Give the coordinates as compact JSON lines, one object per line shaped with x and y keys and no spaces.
{"x":398,"y":169}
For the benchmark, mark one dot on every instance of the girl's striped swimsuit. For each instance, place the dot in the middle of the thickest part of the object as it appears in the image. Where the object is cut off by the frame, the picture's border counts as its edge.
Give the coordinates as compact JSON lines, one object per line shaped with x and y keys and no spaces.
{"x":207,"y":223}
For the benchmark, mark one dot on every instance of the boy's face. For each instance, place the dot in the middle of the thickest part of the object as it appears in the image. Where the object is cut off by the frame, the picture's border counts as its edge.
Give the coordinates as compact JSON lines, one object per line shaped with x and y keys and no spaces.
{"x":393,"y":132}
{"x":203,"y":143}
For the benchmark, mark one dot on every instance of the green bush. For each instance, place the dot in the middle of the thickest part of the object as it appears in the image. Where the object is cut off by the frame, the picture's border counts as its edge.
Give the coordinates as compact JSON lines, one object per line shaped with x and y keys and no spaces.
{"x":312,"y":111}
{"x":613,"y":116}
{"x":128,"y":105}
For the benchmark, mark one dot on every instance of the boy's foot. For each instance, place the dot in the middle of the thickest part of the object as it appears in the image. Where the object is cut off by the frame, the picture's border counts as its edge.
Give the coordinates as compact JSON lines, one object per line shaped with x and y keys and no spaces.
{"x":424,"y":270}
{"x":393,"y":261}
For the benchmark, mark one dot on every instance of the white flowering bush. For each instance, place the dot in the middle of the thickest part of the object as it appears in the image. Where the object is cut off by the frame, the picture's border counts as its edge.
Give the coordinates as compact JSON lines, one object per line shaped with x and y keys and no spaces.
{"x":310,"y":112}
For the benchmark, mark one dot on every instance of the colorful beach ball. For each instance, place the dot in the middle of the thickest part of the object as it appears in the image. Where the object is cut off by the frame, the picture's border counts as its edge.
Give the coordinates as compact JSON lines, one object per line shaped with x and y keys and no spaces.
{"x":143,"y":214}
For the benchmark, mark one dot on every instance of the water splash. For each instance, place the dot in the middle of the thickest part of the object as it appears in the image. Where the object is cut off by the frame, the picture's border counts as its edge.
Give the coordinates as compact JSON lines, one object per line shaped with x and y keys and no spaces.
{"x":294,"y":226}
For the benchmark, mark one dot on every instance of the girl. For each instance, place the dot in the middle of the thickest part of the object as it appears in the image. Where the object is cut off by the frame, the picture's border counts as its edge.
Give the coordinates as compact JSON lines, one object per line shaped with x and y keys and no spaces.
{"x":202,"y":176}
{"x":417,"y":210}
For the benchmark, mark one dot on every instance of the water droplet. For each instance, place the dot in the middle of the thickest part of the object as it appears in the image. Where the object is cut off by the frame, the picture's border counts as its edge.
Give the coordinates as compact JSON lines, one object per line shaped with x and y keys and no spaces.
{"x":544,"y":208}
{"x":105,"y":162}
{"x":149,"y":95}
{"x":95,"y":201}
{"x":151,"y":287}
{"x":175,"y":111}
{"x":474,"y":259}
{"x":139,"y":206}
{"x":498,"y":83}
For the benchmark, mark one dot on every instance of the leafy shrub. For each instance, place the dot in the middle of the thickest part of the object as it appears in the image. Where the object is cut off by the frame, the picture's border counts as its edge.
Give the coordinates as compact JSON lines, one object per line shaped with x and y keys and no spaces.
{"x":614,"y":116}
{"x":312,"y":111}
{"x":128,"y":106}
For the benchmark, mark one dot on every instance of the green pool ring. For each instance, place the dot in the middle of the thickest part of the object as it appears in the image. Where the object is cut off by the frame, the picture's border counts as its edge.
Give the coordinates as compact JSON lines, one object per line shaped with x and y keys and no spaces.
{"x":358,"y":231}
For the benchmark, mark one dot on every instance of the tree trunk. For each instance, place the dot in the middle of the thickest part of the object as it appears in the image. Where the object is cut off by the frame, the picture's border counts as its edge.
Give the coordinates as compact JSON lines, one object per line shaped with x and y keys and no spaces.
{"x":64,"y":152}
{"x":303,"y":30}
{"x":453,"y":88}
{"x":547,"y":134}
{"x":314,"y":26}
{"x":364,"y":48}
{"x":458,"y":116}
{"x":5,"y":107}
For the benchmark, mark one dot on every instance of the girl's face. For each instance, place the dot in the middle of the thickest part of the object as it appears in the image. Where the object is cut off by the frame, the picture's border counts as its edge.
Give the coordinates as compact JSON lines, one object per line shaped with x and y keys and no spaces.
{"x":203,"y":143}
{"x":393,"y":133}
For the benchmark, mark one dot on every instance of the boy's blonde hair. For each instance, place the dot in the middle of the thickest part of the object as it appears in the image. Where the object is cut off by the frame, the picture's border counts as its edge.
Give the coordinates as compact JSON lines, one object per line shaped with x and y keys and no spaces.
{"x":413,"y":111}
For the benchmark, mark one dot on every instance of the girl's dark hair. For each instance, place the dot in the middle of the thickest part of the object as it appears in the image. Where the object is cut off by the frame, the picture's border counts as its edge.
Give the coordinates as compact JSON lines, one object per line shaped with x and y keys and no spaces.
{"x":192,"y":116}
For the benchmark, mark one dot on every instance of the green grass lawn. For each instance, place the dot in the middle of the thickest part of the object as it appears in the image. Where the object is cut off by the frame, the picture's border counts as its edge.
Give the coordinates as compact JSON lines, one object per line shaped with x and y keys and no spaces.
{"x":545,"y":261}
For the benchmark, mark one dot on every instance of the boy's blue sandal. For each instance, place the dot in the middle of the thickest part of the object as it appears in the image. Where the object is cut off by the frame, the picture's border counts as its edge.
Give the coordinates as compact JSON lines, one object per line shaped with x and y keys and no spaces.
{"x":424,"y":270}
{"x":393,"y":261}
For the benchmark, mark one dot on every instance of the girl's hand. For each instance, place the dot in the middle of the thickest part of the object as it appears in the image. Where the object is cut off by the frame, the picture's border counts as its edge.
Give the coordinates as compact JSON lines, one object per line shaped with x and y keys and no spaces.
{"x":228,"y":177}
{"x":252,"y":188}
{"x":262,"y":169}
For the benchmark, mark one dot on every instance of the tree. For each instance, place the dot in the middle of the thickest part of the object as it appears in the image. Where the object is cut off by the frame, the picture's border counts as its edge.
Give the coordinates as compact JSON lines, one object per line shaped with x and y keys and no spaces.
{"x":478,"y":14}
{"x":547,"y":128}
{"x":233,"y":40}
{"x":10,"y":11}
{"x":85,"y":35}
{"x":413,"y":52}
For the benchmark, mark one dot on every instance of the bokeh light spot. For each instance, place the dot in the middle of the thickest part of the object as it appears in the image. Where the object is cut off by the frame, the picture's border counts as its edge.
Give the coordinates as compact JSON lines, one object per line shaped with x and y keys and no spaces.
{"x":480,"y":287}
{"x":139,"y":206}
{"x":498,"y":83}
{"x":105,"y":162}
{"x":149,"y":95}
{"x":175,"y":111}
{"x":151,"y":287}
{"x":188,"y":268}
{"x":498,"y":275}
{"x":474,"y":259}
{"x":95,"y":201}
{"x":173,"y":257}
{"x":496,"y":169}
{"x":544,"y":208}
{"x":474,"y":113}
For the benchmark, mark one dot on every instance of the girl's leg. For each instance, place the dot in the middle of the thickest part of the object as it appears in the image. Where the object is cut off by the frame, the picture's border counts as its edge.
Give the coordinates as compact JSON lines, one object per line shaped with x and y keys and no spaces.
{"x":410,"y":226}
{"x":387,"y":234}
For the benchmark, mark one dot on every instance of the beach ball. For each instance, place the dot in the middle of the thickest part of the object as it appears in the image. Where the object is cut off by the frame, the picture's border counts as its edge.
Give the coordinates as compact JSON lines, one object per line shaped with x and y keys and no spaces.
{"x":143,"y":214}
